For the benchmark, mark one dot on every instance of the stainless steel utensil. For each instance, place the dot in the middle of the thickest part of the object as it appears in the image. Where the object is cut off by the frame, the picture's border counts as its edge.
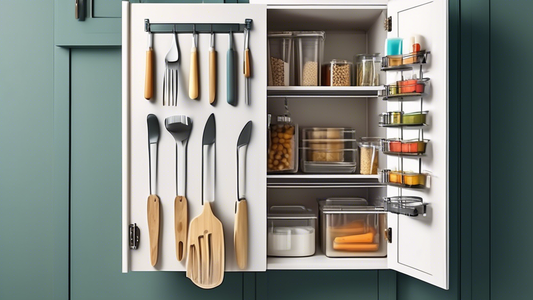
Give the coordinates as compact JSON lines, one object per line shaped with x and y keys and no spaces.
{"x":247,"y":70}
{"x":180,"y":127}
{"x":170,"y":80}
{"x":153,"y":199}
{"x":240,"y":236}
{"x":193,"y":73}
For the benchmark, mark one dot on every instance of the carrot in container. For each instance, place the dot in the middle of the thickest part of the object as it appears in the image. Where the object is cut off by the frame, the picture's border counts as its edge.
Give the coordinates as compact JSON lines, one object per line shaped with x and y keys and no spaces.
{"x":356,"y":247}
{"x":356,"y":238}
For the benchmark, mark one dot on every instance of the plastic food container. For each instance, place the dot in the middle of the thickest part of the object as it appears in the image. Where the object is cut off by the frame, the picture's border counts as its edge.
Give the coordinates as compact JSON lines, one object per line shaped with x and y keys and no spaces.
{"x":340,"y":72}
{"x":280,"y":53}
{"x":413,"y":147}
{"x":367,"y":69}
{"x":414,"y":118}
{"x":408,"y":179}
{"x":329,"y":150}
{"x":395,"y":61}
{"x":291,"y":231}
{"x":309,"y":53}
{"x":351,"y":228}
{"x":369,"y":155}
{"x":283,"y":150}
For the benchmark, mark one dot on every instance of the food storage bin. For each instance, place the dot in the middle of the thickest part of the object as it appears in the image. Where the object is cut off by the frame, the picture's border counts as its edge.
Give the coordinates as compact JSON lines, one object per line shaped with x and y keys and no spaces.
{"x":412,"y":147}
{"x":281,"y":59}
{"x":408,"y":179}
{"x":340,"y":72}
{"x":351,"y":228}
{"x":309,"y":53}
{"x":329,"y":150}
{"x":283,"y":150}
{"x":414,"y":118}
{"x":406,"y":205}
{"x":367,"y":67}
{"x":369,"y":155}
{"x":291,"y":231}
{"x":406,"y":88}
{"x":402,"y":61}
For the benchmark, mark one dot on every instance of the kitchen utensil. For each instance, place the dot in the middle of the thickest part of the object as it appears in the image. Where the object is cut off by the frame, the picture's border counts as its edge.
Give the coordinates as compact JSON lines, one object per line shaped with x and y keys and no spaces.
{"x":170,"y":80}
{"x":240,"y":236}
{"x":205,"y":258}
{"x":149,"y":76}
{"x":193,"y":74}
{"x":180,"y":127}
{"x":153,"y":199}
{"x":230,"y":73}
{"x":212,"y":70}
{"x":246,"y":62}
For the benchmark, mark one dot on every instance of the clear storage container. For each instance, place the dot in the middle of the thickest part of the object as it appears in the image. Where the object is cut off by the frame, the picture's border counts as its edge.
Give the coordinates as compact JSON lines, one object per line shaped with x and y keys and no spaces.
{"x":352,"y":228}
{"x":281,"y":62}
{"x":396,"y":146}
{"x":367,"y":67}
{"x":329,"y":150}
{"x":283,"y":145}
{"x":369,"y":155}
{"x":309,"y":53}
{"x":340,"y":73}
{"x":291,"y":231}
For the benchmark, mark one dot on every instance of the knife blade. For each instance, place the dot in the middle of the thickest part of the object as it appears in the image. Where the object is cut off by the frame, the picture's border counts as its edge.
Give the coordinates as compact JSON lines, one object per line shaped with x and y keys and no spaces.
{"x":208,"y":160}
{"x":153,"y":200}
{"x":240,"y":234}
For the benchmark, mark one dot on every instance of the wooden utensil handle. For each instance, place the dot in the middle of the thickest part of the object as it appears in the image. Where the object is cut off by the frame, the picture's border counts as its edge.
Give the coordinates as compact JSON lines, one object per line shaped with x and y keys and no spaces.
{"x":181,"y":222}
{"x":212,"y":76}
{"x":240,"y":237}
{"x":153,"y":227}
{"x":149,"y":79}
{"x":247,"y":68}
{"x":193,"y":75}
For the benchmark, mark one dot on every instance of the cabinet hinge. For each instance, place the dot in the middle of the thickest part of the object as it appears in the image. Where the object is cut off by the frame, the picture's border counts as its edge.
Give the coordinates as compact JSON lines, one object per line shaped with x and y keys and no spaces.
{"x":135,"y":234}
{"x":388,"y":234}
{"x":388,"y":24}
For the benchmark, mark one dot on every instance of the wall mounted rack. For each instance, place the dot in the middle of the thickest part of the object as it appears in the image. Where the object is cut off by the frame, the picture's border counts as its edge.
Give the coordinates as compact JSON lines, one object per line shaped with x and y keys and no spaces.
{"x":197,"y":28}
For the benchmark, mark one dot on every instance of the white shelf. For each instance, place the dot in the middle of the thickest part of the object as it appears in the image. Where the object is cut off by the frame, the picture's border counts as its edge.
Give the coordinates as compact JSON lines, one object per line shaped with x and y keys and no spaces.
{"x":319,"y":261}
{"x":300,"y":180}
{"x":324,"y":91}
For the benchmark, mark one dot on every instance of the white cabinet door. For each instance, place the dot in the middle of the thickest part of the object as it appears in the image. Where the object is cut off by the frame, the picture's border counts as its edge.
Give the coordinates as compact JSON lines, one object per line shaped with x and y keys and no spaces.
{"x":229,"y":121}
{"x":419,"y":245}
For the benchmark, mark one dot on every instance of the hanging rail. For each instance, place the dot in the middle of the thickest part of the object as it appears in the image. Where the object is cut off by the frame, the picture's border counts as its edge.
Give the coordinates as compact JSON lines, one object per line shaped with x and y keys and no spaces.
{"x":196,"y":27}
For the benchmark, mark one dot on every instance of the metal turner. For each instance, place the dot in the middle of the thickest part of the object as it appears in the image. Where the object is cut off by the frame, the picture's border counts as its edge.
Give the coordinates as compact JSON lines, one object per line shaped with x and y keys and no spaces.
{"x":170,"y":80}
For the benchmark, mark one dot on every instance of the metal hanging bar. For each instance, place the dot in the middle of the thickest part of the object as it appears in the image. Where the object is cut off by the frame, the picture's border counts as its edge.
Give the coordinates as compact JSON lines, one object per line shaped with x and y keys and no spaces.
{"x":196,"y":27}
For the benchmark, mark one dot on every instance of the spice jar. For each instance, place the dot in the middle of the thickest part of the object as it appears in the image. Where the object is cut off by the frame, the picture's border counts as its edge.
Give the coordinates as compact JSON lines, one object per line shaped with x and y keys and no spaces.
{"x":369,"y":155}
{"x":340,"y":72}
{"x":367,"y":69}
{"x":283,"y":150}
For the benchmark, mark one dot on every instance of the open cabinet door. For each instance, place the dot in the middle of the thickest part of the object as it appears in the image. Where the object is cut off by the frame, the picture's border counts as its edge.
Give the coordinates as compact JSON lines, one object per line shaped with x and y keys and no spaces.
{"x":419,"y":245}
{"x":230,"y":120}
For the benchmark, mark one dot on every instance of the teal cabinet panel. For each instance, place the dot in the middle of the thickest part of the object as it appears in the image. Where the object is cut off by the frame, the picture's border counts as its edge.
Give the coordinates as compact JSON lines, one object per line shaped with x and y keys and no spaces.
{"x":27,"y":203}
{"x":106,"y":8}
{"x":317,"y":285}
{"x":95,"y":213}
{"x":511,"y":205}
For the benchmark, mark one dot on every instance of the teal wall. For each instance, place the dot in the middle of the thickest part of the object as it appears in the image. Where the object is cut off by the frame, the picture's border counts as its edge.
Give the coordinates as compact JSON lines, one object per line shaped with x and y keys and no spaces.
{"x":489,"y":214}
{"x":27,"y":227}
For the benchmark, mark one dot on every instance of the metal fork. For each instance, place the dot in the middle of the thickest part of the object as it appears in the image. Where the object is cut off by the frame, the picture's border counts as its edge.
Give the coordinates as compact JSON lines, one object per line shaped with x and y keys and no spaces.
{"x":170,"y":80}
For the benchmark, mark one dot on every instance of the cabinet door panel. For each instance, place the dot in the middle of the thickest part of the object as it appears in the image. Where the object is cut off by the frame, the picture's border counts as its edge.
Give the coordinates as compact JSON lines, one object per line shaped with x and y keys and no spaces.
{"x":106,"y":8}
{"x":420,"y":244}
{"x":95,"y":256}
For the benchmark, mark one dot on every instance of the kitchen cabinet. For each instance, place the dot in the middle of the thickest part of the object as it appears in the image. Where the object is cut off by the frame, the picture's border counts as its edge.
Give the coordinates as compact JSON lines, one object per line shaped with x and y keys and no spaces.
{"x":418,"y":246}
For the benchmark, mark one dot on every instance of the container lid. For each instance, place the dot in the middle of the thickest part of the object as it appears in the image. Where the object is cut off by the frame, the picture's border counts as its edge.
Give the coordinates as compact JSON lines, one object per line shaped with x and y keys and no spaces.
{"x":339,"y":62}
{"x":284,"y":119}
{"x":280,"y":34}
{"x":344,"y":204}
{"x":370,"y":141}
{"x":319,"y":34}
{"x":290,"y":212}
{"x":374,"y":56}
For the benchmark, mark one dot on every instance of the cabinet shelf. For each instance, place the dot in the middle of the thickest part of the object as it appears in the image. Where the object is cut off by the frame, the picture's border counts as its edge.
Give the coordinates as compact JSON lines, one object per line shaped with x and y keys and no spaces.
{"x":324,"y":91}
{"x":319,"y":261}
{"x":299,"y":180}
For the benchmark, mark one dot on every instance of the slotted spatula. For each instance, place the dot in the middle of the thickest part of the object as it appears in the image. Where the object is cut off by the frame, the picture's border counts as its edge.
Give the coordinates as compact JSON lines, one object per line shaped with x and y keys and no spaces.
{"x":206,"y":255}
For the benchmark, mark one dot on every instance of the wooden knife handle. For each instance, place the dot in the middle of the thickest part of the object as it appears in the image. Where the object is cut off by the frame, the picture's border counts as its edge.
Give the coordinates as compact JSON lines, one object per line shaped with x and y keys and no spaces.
{"x":181,"y":222}
{"x":212,"y":76}
{"x":240,"y":237}
{"x":149,"y":79}
{"x":153,"y":227}
{"x":193,"y":75}
{"x":247,"y":68}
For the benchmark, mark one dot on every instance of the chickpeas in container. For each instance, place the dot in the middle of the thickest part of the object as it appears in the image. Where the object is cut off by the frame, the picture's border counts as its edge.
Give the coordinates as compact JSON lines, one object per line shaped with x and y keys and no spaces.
{"x":369,"y":155}
{"x":283,"y":150}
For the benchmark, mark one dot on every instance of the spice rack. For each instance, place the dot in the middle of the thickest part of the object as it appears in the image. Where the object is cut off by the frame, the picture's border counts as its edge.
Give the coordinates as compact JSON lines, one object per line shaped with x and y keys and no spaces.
{"x":405,"y":90}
